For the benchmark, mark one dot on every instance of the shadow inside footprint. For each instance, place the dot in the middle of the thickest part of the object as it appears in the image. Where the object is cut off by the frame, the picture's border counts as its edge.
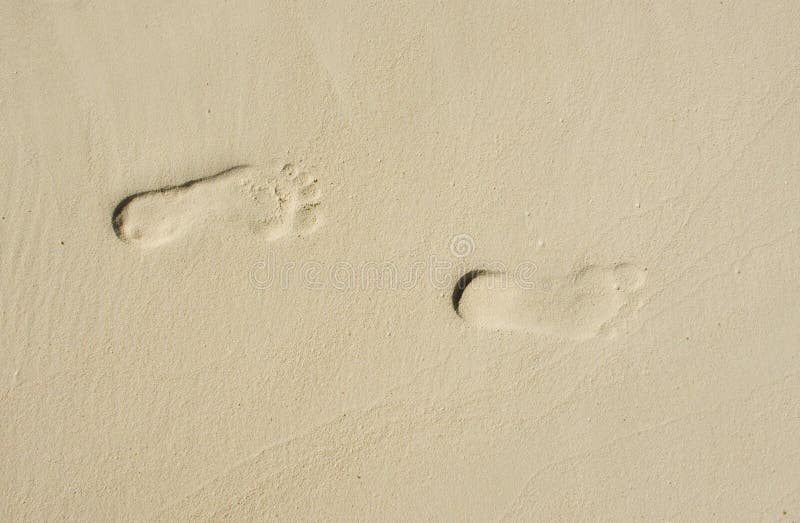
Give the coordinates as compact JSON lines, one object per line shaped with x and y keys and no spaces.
{"x":461,"y":285}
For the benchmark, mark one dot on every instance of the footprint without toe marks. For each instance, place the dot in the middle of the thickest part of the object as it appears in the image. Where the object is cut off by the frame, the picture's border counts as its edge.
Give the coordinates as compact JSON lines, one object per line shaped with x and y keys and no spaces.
{"x":272,"y":205}
{"x":586,"y":303}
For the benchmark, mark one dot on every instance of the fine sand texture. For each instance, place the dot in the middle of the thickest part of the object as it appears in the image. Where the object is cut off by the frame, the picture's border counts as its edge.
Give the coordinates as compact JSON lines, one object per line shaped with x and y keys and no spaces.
{"x":400,"y":261}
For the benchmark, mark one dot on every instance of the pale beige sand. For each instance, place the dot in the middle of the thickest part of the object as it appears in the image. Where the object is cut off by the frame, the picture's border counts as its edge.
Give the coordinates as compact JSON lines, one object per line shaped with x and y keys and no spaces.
{"x":183,"y":341}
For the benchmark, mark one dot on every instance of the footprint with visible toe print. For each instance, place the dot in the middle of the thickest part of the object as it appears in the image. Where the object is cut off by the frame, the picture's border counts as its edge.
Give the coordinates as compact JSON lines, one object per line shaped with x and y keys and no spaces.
{"x":272,"y":205}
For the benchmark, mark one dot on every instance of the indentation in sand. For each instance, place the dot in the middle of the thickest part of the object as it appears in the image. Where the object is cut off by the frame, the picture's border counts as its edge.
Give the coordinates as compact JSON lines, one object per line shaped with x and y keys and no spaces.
{"x":587,"y":303}
{"x":272,"y":205}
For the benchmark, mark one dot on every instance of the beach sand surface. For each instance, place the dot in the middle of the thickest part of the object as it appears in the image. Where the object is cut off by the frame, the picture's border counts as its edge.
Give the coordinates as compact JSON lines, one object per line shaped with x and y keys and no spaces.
{"x":403,"y":261}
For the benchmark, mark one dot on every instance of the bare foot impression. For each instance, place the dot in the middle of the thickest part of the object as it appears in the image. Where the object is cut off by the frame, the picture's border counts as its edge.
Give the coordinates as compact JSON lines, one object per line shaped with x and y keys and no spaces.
{"x":585,"y":304}
{"x":272,"y":205}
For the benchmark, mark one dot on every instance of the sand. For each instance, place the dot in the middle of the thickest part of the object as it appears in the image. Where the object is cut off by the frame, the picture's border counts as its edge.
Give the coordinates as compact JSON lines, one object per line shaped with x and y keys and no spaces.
{"x":360,"y":261}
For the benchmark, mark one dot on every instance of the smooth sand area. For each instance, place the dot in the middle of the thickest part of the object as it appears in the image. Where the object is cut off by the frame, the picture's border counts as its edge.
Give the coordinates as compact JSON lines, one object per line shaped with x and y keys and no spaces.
{"x":400,"y":261}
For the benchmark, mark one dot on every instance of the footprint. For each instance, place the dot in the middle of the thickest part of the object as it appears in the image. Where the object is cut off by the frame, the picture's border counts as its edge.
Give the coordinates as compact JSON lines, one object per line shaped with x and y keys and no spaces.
{"x":241,"y":198}
{"x":585,"y":304}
